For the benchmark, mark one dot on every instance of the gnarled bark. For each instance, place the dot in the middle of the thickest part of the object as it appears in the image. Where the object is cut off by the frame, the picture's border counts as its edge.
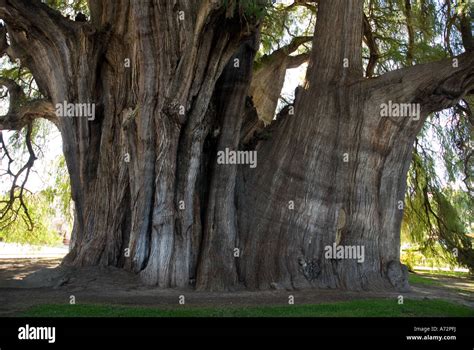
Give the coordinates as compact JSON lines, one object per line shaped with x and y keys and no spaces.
{"x":168,"y":96}
{"x":341,"y":165}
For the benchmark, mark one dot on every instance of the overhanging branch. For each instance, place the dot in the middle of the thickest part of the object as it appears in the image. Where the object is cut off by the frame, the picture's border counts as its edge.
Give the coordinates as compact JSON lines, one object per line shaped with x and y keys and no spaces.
{"x":33,"y":16}
{"x":435,"y":86}
{"x":305,"y":3}
{"x":40,"y":37}
{"x":296,"y":61}
{"x":23,"y":111}
{"x":278,"y":57}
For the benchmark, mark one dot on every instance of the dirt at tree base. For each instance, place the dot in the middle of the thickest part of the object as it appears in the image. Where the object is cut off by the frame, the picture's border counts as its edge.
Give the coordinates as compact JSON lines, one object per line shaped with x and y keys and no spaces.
{"x":25,"y":283}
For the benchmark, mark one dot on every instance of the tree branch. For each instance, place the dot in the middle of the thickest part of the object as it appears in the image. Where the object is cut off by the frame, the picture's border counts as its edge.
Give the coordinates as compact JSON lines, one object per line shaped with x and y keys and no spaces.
{"x":34,"y":16}
{"x":296,"y":61}
{"x":411,"y":31}
{"x":41,"y":38}
{"x":22,"y":111}
{"x":436,"y":85}
{"x":278,"y":56}
{"x":465,"y":27}
{"x":31,"y":22}
{"x":304,"y":3}
{"x":269,"y":76}
{"x":337,"y":43}
{"x":295,"y":43}
{"x":369,"y":40}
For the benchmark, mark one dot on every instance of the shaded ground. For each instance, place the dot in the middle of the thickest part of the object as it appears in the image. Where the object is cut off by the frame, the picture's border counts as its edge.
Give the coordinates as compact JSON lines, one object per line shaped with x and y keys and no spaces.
{"x":25,"y":283}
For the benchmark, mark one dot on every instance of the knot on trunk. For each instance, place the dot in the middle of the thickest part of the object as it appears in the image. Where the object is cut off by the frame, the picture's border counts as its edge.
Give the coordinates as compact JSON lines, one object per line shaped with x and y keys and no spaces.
{"x":397,"y":274}
{"x":309,"y":268}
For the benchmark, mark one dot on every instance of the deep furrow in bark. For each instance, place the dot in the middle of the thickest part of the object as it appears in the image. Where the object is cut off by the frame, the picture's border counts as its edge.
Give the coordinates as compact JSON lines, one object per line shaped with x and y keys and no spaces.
{"x":173,"y":215}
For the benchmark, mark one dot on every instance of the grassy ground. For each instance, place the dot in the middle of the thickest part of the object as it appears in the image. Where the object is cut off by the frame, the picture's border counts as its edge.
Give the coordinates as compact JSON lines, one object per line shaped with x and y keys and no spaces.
{"x":443,"y":279}
{"x":444,"y":273}
{"x":418,"y":279}
{"x":357,"y":308}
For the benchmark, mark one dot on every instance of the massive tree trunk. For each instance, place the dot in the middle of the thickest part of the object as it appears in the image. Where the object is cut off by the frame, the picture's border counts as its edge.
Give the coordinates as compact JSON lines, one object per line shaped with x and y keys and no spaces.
{"x":169,"y":80}
{"x":338,"y":167}
{"x":150,"y":70}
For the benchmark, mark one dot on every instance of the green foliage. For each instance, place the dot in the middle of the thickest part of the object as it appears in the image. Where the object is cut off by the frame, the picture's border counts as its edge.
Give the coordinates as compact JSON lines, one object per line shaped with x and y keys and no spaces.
{"x":411,"y":258}
{"x":434,"y":218}
{"x":390,"y":22}
{"x":60,"y":191}
{"x":253,"y":8}
{"x":281,"y":24}
{"x":43,"y":208}
{"x":273,"y":29}
{"x":41,"y":213}
{"x":249,"y":10}
{"x":69,"y":7}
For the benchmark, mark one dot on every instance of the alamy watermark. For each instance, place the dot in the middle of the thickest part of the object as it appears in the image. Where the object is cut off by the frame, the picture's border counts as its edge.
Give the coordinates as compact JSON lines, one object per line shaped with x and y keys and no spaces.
{"x":237,"y":157}
{"x":37,"y":333}
{"x":76,"y":110}
{"x":334,"y":251}
{"x":400,"y":110}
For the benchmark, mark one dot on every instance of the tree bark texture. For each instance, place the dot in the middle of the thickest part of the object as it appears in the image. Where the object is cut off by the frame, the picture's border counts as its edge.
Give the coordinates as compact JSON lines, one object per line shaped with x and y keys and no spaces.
{"x":149,"y":194}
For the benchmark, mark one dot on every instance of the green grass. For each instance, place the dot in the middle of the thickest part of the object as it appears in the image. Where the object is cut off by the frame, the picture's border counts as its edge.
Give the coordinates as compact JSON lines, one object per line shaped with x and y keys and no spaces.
{"x":415,"y":278}
{"x":444,"y":273}
{"x":419,"y":279}
{"x":357,"y":308}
